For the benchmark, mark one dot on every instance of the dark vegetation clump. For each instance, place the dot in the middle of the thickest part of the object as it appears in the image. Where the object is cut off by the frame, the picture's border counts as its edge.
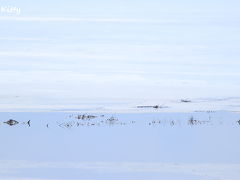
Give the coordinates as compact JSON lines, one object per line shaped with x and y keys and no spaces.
{"x":112,"y":120}
{"x":86,"y":117}
{"x":67,"y":125}
{"x":11,"y":122}
{"x":193,"y":121}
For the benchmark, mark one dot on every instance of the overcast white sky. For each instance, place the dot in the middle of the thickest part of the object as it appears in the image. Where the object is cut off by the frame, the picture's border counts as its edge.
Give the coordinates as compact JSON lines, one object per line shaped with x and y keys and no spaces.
{"x":120,"y":49}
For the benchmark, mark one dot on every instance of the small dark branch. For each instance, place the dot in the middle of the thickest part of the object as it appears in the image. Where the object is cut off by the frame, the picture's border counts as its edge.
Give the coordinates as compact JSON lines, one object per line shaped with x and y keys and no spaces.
{"x":185,"y":101}
{"x":238,"y":121}
{"x":29,"y":123}
{"x":146,"y":106}
{"x":172,"y":123}
{"x":156,"y":107}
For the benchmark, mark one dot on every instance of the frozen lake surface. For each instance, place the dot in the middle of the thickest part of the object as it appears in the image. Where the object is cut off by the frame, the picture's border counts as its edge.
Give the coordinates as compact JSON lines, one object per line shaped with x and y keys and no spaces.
{"x":60,"y":145}
{"x":112,"y":105}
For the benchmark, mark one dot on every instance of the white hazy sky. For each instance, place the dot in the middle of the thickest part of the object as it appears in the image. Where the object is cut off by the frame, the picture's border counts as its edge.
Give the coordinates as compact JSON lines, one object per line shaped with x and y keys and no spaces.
{"x":120,"y":49}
